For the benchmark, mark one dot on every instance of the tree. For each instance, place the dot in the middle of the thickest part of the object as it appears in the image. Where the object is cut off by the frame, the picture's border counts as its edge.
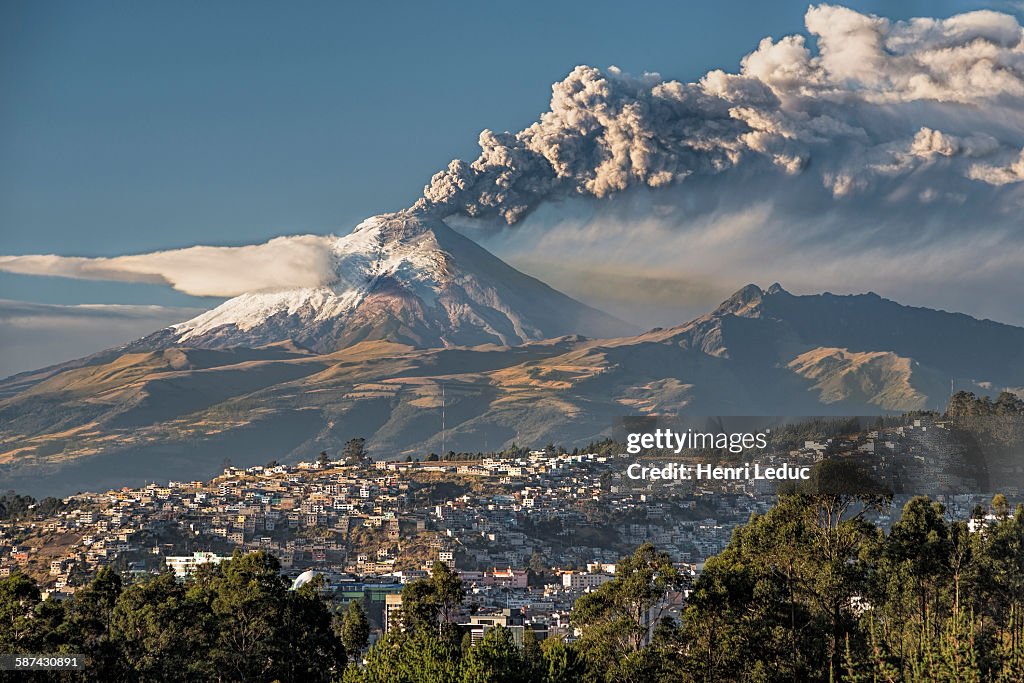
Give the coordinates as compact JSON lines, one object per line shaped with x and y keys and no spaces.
{"x":88,"y":623}
{"x":918,"y":548}
{"x":313,"y":652}
{"x":247,"y":598}
{"x":419,"y":609}
{"x":161,"y":632}
{"x":355,"y":629}
{"x":779,"y":597}
{"x":967,"y":404}
{"x":447,"y":586}
{"x":495,"y":659}
{"x":263,"y":630}
{"x":234,"y":621}
{"x":1000,"y":506}
{"x":431,"y":603}
{"x":19,"y":597}
{"x":412,"y":657}
{"x":532,"y":657}
{"x":355,"y":451}
{"x":996,"y":584}
{"x":616,"y":619}
{"x":13,"y":505}
{"x":560,"y":663}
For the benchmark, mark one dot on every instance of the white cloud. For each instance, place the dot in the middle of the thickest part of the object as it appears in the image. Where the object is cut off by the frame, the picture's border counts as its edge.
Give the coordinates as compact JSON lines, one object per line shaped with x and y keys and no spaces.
{"x":281,"y":263}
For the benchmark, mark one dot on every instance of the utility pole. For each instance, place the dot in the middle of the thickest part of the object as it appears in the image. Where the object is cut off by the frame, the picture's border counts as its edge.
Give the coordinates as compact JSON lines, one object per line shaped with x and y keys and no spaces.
{"x":443,"y":451}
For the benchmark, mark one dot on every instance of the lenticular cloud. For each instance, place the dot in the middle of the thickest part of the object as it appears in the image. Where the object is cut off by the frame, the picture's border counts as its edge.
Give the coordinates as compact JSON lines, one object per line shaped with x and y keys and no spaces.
{"x":281,"y":263}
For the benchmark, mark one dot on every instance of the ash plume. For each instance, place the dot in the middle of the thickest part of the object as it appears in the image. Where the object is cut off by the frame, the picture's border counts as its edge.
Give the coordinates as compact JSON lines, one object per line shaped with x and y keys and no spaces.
{"x":870,"y":102}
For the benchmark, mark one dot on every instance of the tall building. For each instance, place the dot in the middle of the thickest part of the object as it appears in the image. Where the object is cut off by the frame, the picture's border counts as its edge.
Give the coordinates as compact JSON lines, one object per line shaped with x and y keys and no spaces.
{"x":392,"y":611}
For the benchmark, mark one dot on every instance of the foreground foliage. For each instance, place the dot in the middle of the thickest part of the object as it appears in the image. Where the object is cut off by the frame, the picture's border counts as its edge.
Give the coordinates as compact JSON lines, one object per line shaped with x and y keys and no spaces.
{"x":810,"y":591}
{"x":236,"y":621}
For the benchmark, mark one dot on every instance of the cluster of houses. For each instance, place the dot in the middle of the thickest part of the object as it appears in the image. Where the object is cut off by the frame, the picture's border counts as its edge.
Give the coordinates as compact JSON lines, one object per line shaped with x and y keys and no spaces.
{"x":528,"y":535}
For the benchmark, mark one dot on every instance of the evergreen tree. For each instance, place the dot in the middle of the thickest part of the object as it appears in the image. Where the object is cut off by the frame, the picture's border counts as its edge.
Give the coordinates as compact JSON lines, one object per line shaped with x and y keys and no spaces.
{"x":532,"y":657}
{"x":19,"y":597}
{"x":355,"y":628}
{"x":495,"y":659}
{"x":162,"y":633}
{"x":355,"y":451}
{"x":88,"y":624}
{"x":559,"y":662}
{"x":419,"y":656}
{"x":313,"y":652}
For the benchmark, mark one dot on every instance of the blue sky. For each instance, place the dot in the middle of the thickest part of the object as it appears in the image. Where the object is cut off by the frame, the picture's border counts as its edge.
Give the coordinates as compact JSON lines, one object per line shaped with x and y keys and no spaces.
{"x":134,"y":126}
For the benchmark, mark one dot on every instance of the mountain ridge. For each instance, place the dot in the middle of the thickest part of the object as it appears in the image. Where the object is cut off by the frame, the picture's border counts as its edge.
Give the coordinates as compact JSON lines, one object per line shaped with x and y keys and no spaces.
{"x":170,"y":412}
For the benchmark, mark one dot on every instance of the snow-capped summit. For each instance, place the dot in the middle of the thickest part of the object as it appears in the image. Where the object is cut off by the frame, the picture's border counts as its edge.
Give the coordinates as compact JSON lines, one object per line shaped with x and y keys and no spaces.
{"x":404,"y":277}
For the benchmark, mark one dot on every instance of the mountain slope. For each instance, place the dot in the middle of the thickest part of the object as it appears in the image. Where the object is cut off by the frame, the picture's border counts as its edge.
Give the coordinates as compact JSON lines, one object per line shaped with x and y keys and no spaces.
{"x":180,"y":412}
{"x":878,"y":378}
{"x":404,"y":277}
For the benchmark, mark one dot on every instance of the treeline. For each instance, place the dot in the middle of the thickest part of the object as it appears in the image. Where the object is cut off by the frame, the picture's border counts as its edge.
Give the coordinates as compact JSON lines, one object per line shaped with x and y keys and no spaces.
{"x":991,"y":432}
{"x":813,"y":590}
{"x":514,"y":451}
{"x":16,"y":506}
{"x":794,"y":434}
{"x":237,"y":621}
{"x":966,"y":404}
{"x":788,"y":435}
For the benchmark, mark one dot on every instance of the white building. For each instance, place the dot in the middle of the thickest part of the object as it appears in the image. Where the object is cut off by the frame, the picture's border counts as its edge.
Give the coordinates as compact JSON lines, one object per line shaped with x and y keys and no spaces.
{"x":584,"y":580}
{"x":184,"y":565}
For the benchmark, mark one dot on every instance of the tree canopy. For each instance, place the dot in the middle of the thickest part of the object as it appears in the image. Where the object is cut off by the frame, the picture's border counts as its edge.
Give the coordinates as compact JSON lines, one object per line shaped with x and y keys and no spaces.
{"x":812,"y":590}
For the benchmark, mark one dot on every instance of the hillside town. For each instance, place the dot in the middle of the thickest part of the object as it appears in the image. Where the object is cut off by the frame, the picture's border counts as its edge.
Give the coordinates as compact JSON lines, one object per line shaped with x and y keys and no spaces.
{"x":527,"y":533}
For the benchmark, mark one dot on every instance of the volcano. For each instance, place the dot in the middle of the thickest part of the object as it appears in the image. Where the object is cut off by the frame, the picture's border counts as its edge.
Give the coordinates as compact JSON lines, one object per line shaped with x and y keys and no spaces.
{"x":404,"y":277}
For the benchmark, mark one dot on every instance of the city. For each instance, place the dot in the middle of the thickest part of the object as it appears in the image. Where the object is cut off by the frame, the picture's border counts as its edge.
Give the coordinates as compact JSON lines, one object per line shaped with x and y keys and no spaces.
{"x":527,"y":532}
